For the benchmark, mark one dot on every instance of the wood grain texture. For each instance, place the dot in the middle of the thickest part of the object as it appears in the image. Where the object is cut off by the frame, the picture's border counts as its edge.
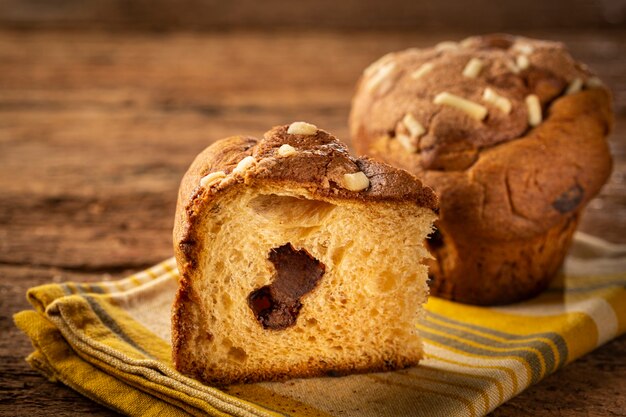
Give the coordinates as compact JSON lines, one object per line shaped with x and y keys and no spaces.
{"x":24,"y":392}
{"x":97,"y":129}
{"x":475,"y":16}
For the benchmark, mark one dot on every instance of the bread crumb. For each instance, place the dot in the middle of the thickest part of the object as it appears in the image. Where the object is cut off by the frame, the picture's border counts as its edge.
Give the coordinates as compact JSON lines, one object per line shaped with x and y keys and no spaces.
{"x":244,"y":164}
{"x":534,"y":110}
{"x":575,"y":86}
{"x":422,"y":70}
{"x":473,"y":68}
{"x":212,"y":178}
{"x":490,"y":96}
{"x":302,"y":128}
{"x":287,"y":150}
{"x":357,"y":181}
{"x":474,"y":110}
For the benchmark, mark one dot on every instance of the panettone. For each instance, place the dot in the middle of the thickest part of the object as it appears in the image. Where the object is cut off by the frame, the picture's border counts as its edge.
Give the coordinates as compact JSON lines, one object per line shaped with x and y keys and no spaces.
{"x":297,"y":260}
{"x":511,"y":134}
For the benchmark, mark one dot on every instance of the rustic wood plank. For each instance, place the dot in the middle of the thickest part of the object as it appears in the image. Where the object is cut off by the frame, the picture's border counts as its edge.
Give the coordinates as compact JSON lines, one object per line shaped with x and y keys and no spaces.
{"x":24,"y":391}
{"x":97,"y":129}
{"x":477,"y":16}
{"x":592,"y":386}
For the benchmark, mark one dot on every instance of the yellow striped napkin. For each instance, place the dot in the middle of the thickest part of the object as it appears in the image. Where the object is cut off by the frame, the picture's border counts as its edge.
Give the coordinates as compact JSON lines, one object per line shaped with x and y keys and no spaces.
{"x":110,"y":342}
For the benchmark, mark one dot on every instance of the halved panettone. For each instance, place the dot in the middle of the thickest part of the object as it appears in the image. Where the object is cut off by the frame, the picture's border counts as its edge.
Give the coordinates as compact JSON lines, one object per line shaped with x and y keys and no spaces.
{"x":297,"y":260}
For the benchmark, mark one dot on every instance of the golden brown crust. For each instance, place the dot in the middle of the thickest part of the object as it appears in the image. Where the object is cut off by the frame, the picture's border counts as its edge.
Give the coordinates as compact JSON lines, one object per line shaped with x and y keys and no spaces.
{"x":304,"y":371}
{"x":502,"y":183}
{"x":452,"y":138}
{"x":318,"y":165}
{"x":523,"y":266}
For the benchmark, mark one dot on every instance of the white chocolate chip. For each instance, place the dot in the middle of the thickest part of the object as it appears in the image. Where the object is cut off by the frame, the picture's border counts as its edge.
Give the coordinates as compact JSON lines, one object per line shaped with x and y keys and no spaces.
{"x":446,"y":46}
{"x":474,"y":110}
{"x":356,"y":182}
{"x":302,"y":128}
{"x":422,"y":70}
{"x":244,"y":164}
{"x":212,"y":178}
{"x":407,"y":143}
{"x":287,"y":150}
{"x":513,"y":67}
{"x":466,"y":42}
{"x":522,"y":62}
{"x":497,"y":100}
{"x":525,"y":48}
{"x":594,"y":82}
{"x":414,"y":127}
{"x":575,"y":86}
{"x":380,"y":76}
{"x":473,"y":68}
{"x":379,"y":63}
{"x":534,"y":110}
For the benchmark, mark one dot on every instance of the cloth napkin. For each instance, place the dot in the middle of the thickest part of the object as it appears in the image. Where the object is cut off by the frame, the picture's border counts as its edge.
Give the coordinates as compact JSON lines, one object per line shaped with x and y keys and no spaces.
{"x":110,"y":341}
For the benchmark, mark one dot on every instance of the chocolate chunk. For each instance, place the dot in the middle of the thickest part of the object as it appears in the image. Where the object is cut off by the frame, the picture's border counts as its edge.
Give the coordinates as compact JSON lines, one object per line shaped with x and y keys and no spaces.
{"x":276,"y":306}
{"x":569,"y":200}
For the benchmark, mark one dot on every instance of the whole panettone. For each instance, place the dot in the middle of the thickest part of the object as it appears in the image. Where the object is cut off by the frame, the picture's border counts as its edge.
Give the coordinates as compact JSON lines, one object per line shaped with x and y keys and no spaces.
{"x":511,"y":134}
{"x":297,"y":259}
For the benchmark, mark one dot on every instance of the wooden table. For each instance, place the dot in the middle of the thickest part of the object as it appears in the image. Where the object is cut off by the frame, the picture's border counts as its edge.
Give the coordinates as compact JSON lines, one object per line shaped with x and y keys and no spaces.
{"x":97,"y":129}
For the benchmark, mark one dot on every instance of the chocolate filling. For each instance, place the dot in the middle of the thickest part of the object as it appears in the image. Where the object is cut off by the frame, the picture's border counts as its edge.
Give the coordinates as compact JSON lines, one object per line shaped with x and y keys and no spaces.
{"x":569,"y":200}
{"x":276,"y":306}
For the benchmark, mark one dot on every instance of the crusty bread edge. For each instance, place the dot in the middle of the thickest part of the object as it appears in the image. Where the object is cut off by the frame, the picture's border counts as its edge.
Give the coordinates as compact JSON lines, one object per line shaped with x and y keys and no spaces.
{"x":388,"y":184}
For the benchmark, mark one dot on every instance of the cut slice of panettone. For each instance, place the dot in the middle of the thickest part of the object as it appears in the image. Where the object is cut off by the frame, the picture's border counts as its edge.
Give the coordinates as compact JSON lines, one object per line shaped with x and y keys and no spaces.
{"x":297,"y":260}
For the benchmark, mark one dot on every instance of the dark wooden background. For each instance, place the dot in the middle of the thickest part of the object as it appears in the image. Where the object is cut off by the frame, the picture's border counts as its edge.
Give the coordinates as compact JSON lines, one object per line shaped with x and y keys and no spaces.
{"x":103,"y":104}
{"x":417,"y":15}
